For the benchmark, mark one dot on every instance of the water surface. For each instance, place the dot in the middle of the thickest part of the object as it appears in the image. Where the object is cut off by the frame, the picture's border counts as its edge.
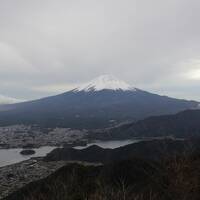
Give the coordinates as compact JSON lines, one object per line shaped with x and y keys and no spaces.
{"x":11,"y":156}
{"x":110,"y":144}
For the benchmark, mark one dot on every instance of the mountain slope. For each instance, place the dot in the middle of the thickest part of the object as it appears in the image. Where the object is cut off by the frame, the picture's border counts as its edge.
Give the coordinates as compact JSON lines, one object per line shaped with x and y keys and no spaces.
{"x":103,"y":102}
{"x":183,"y":124}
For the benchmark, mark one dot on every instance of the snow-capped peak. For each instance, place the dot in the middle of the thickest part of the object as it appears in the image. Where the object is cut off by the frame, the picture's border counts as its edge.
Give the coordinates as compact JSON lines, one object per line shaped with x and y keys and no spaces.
{"x":104,"y":82}
{"x":8,"y":100}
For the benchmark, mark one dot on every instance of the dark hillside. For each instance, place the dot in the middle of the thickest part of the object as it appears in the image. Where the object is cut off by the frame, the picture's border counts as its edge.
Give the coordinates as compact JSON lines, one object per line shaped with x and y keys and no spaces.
{"x":135,"y":179}
{"x":151,"y":150}
{"x":185,"y":124}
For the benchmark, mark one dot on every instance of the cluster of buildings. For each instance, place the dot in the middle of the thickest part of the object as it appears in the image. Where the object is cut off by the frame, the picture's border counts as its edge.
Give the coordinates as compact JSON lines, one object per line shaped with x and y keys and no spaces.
{"x":33,"y":136}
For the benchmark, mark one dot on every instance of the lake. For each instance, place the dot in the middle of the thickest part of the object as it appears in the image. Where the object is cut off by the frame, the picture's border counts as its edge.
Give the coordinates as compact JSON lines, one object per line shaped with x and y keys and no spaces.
{"x":12,"y":156}
{"x":110,"y":144}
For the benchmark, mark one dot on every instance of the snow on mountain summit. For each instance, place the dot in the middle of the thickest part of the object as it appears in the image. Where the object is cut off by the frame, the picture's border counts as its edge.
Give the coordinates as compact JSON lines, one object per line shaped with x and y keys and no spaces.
{"x":104,"y":82}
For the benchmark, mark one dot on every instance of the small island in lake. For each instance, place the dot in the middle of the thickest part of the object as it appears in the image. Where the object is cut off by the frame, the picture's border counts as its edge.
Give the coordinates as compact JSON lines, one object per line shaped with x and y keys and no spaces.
{"x":27,"y":152}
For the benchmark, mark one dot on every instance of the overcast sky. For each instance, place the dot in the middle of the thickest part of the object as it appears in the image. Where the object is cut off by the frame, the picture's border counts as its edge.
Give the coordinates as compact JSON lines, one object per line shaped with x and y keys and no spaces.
{"x":47,"y":47}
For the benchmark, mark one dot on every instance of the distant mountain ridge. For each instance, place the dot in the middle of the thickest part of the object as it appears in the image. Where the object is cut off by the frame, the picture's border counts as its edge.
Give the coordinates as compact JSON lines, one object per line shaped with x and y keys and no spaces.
{"x":104,"y":102}
{"x":152,"y":150}
{"x":185,"y":124}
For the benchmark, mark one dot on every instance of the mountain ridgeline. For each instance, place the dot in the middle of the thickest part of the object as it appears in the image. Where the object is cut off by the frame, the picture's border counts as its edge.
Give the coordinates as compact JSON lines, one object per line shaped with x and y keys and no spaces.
{"x":148,"y":150}
{"x":185,"y":124}
{"x":104,"y":102}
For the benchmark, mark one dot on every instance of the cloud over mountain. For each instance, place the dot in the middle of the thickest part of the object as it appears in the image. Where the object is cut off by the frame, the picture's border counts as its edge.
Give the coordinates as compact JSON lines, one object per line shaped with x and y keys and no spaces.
{"x":151,"y":44}
{"x":8,"y":100}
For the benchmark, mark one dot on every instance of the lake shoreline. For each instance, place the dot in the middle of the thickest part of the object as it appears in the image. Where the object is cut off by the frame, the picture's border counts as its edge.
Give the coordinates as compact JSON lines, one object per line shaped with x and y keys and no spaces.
{"x":12,"y":155}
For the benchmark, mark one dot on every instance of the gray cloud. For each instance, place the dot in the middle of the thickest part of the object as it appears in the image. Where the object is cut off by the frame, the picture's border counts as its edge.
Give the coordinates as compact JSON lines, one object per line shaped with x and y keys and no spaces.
{"x":47,"y":46}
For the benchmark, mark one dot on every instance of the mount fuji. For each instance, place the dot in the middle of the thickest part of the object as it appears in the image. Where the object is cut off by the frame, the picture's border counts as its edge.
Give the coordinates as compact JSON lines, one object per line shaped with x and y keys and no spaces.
{"x":103,"y":102}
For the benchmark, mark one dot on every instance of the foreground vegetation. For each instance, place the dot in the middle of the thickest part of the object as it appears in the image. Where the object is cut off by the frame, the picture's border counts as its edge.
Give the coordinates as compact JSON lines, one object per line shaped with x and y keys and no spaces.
{"x":173,"y":178}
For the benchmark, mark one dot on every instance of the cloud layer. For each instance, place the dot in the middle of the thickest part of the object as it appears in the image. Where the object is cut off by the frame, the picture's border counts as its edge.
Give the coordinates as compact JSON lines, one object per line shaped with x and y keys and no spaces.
{"x":49,"y":46}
